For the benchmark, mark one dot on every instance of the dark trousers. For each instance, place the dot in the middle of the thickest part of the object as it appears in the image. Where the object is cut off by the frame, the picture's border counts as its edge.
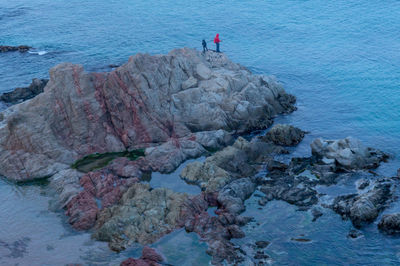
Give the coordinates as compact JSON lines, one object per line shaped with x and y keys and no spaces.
{"x":205,"y":48}
{"x":217,"y":44}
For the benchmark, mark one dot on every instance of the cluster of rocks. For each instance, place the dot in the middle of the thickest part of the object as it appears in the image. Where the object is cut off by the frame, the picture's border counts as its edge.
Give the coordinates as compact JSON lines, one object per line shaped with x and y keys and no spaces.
{"x":24,"y":93}
{"x":21,"y":48}
{"x":176,"y":107}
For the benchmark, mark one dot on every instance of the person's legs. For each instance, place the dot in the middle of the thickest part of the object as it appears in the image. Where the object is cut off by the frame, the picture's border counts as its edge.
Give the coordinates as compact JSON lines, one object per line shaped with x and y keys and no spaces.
{"x":217,"y":47}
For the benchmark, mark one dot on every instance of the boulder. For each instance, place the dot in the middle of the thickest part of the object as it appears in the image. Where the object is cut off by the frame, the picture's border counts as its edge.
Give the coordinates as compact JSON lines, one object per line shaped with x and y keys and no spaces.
{"x":285,"y":135}
{"x":149,"y":101}
{"x":348,"y":154}
{"x":390,"y":223}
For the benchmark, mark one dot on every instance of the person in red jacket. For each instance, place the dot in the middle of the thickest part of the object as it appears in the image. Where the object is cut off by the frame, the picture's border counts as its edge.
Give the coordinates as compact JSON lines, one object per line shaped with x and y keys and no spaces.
{"x":217,"y":41}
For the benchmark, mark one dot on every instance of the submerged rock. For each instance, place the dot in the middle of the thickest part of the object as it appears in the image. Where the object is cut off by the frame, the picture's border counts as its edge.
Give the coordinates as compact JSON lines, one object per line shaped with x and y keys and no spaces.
{"x":141,"y":104}
{"x":285,"y":135}
{"x":347,"y":154}
{"x":390,"y":223}
{"x":21,"y":48}
{"x":26,"y":93}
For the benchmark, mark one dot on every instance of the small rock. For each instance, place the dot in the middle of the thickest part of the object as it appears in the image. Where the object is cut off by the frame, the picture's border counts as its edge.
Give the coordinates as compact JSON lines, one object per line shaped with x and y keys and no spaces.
{"x":316,"y":214}
{"x":390,"y":223}
{"x":354,"y":233}
{"x":363,"y":184}
{"x":262,"y":244}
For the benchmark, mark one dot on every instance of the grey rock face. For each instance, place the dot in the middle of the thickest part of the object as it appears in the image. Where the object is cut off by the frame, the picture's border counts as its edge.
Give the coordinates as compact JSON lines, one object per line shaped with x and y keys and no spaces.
{"x":285,"y":135}
{"x":146,"y":102}
{"x":26,"y":93}
{"x":348,"y":153}
{"x":390,"y":223}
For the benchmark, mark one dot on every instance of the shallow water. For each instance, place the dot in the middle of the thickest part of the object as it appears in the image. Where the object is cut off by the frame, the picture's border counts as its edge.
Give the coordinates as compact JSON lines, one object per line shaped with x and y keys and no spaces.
{"x":341,"y":59}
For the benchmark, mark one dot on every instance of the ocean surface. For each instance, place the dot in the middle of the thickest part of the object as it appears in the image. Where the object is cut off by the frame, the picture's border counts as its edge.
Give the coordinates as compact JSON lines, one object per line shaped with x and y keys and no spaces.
{"x":340,"y":58}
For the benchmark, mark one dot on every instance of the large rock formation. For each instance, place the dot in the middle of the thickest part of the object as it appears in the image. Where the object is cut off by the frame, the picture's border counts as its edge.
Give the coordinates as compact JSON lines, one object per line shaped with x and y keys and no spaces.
{"x":146,"y":102}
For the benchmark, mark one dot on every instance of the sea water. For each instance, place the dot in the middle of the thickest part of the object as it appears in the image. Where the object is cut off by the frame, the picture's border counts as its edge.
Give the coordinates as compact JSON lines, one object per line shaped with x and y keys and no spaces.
{"x":340,"y":58}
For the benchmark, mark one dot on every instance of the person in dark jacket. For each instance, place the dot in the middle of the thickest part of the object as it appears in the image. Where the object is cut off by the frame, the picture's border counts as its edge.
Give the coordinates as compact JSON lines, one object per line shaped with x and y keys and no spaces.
{"x":217,"y":41}
{"x":204,"y":46}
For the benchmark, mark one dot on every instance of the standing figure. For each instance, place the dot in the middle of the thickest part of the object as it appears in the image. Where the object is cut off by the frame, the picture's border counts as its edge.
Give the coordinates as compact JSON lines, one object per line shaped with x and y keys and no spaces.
{"x":204,"y":46}
{"x":217,"y":41}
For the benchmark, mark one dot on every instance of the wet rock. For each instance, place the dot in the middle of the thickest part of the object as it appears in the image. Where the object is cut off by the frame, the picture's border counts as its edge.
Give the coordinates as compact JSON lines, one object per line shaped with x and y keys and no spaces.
{"x":316,"y":213}
{"x":138,"y":105}
{"x":303,"y":240}
{"x":149,"y":257}
{"x":348,"y":153}
{"x":390,"y":223}
{"x":21,"y":48}
{"x":285,"y":135}
{"x":398,"y":172}
{"x":26,"y":93}
{"x":297,"y":190}
{"x":262,"y":244}
{"x":364,"y":208}
{"x":354,"y":233}
{"x":363,"y":184}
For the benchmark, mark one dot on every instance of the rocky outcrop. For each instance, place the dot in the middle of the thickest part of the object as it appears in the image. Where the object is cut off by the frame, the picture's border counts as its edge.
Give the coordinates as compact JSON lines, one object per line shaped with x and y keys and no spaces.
{"x":285,"y":135}
{"x":146,"y":102}
{"x":149,"y":257}
{"x":346,"y":154}
{"x":101,"y":189}
{"x":239,"y":160}
{"x":25,"y":93}
{"x":364,"y":208}
{"x":390,"y":223}
{"x":21,"y":48}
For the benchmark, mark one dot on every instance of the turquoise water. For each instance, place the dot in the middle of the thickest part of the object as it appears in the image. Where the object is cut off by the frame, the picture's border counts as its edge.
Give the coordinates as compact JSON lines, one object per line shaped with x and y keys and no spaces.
{"x":340,"y":58}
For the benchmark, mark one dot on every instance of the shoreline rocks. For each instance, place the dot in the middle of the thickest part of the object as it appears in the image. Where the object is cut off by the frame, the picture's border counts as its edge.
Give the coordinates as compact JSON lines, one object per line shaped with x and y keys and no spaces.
{"x":24,"y":93}
{"x":20,"y":48}
{"x":346,"y":154}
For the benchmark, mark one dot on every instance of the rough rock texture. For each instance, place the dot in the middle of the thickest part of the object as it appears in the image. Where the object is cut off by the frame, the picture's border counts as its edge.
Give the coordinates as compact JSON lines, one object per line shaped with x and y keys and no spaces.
{"x":285,"y":135}
{"x":217,"y":231}
{"x":390,"y":223}
{"x":364,"y":208}
{"x":149,"y":257}
{"x":348,"y":153}
{"x":21,"y":48}
{"x":281,"y":183}
{"x":142,"y":215}
{"x":25,"y":93}
{"x":233,"y":162}
{"x":139,"y":104}
{"x":101,"y":189}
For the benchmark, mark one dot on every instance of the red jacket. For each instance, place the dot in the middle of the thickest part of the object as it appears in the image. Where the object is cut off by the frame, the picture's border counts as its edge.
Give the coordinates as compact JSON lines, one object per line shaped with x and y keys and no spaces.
{"x":216,"y":39}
